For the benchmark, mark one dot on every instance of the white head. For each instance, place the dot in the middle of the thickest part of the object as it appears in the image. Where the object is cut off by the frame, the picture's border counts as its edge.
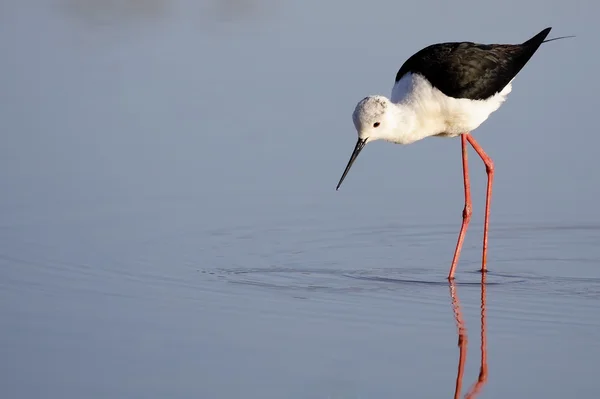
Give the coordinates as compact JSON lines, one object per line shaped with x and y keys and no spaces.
{"x":375,"y":118}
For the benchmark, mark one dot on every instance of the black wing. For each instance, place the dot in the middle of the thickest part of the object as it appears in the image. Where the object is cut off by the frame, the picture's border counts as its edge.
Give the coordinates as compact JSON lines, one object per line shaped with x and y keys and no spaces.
{"x":471,"y":70}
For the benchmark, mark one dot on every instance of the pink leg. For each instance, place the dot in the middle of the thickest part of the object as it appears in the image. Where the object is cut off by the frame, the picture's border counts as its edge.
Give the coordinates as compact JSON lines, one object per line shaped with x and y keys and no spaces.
{"x":489,"y":167}
{"x":468,"y":210}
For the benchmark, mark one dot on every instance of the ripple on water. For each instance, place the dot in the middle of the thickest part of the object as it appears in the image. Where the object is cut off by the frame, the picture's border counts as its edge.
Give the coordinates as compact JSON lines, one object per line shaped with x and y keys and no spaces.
{"x":373,"y":279}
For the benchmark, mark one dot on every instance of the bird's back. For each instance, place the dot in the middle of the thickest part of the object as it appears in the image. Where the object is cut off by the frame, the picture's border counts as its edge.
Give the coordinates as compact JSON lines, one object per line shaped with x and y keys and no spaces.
{"x":471,"y":70}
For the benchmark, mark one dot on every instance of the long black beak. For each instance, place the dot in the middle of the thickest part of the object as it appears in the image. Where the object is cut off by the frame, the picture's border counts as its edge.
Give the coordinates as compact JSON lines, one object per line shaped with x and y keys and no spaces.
{"x":360,"y":144}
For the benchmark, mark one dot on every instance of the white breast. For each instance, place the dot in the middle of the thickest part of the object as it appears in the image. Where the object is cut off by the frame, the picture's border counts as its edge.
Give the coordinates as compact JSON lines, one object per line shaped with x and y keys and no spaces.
{"x":437,"y":113}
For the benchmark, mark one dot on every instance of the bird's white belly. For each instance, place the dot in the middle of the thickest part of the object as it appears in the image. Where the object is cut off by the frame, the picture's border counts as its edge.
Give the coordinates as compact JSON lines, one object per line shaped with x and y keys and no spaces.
{"x":438,"y":114}
{"x":463,"y":115}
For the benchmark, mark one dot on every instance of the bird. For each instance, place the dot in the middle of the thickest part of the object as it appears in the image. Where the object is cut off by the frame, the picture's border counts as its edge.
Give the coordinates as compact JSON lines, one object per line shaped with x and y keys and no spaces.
{"x":446,"y":90}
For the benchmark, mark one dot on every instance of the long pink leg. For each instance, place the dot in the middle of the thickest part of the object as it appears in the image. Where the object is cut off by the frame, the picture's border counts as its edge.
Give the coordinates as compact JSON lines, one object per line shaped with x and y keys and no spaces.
{"x":489,"y":167}
{"x":467,"y":210}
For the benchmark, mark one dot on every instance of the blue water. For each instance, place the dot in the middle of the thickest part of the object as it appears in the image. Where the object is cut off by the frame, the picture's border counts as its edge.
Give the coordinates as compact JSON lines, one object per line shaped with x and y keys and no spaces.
{"x":169,"y":225}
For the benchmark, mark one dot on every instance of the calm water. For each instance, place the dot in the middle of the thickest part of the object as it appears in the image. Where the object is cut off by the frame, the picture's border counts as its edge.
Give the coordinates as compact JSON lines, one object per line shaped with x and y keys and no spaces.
{"x":169,"y":225}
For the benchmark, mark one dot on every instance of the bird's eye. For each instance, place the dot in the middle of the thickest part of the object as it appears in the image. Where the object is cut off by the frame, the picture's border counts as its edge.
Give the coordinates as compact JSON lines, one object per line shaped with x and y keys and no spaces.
{"x":376,"y":124}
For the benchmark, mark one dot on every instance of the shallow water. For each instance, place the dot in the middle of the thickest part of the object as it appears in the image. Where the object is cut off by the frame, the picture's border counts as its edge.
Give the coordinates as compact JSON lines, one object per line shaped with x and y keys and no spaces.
{"x":169,"y":225}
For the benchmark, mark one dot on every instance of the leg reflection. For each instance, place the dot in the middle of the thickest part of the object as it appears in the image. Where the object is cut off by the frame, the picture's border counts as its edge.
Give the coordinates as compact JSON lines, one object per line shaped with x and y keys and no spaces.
{"x":483,"y":369}
{"x":462,"y":338}
{"x":463,"y":342}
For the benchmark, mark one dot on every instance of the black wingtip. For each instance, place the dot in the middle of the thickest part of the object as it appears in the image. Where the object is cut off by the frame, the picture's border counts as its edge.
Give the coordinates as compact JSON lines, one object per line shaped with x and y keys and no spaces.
{"x":542,"y":35}
{"x":539,"y":38}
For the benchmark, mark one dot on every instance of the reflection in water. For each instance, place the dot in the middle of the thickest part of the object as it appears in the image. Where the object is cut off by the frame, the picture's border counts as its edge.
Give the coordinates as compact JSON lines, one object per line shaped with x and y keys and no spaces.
{"x":110,"y":12}
{"x":463,"y":342}
{"x":230,"y":10}
{"x":114,"y":11}
{"x":462,"y":338}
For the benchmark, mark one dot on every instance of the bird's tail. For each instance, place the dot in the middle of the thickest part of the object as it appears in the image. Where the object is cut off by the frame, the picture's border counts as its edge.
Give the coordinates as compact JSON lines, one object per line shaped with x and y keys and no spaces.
{"x":535,"y":42}
{"x":557,"y":38}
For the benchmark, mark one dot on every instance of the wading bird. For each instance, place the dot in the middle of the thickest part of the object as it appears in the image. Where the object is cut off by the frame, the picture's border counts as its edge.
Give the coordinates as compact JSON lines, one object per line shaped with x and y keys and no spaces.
{"x":446,"y":90}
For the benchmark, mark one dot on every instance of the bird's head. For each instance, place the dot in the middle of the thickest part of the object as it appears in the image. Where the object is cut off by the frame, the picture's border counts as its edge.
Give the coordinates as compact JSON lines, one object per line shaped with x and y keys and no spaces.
{"x":374,"y":119}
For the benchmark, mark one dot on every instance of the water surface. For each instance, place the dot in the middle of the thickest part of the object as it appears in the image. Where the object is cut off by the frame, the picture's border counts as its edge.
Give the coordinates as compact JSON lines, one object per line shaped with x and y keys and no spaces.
{"x":169,"y":225}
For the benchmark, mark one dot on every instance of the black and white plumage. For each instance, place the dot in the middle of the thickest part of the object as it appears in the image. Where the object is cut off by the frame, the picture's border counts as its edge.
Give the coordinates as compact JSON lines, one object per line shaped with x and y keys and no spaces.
{"x":471,"y":70}
{"x":445,"y":89}
{"x":448,"y":90}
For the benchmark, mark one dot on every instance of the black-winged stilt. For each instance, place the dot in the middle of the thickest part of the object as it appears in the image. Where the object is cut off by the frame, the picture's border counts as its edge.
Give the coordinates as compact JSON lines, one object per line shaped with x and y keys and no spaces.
{"x":446,"y":90}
